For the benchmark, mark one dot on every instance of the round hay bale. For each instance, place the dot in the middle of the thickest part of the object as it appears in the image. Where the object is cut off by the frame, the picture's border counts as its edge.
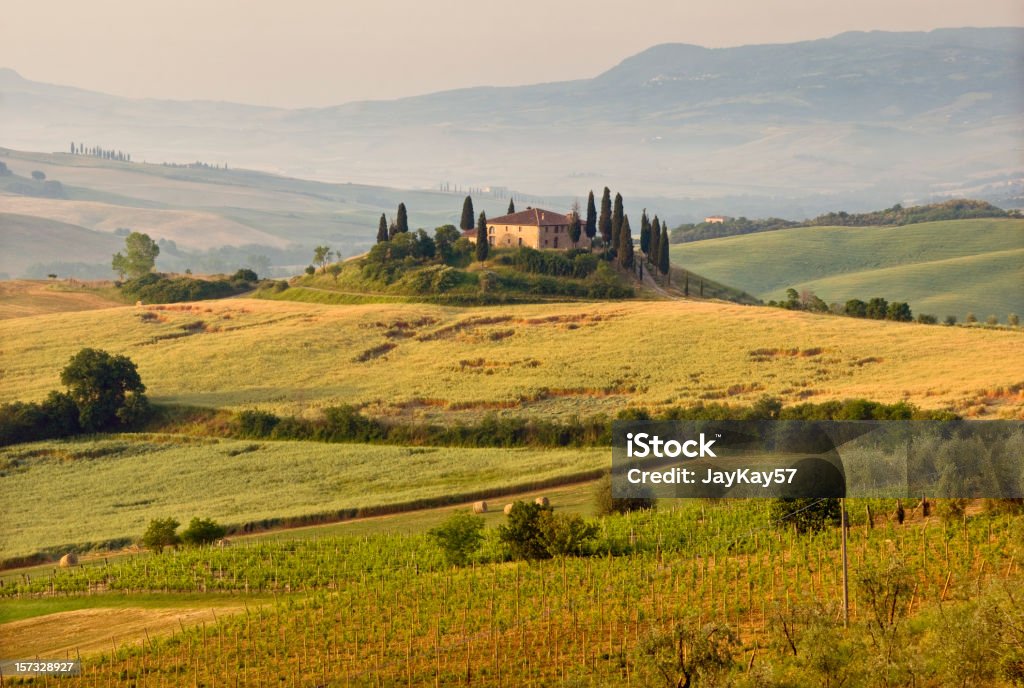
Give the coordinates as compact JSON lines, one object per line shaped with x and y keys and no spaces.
{"x":68,"y":560}
{"x":542,"y":501}
{"x":479,"y":507}
{"x":508,"y":509}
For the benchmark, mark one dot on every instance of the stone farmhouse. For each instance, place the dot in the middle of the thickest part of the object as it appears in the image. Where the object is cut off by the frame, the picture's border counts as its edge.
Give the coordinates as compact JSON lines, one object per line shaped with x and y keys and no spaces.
{"x":533,"y":227}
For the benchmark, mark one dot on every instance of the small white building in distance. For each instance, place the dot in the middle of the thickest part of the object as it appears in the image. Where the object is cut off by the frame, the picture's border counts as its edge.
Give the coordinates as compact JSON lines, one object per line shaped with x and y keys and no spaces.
{"x":716,"y":219}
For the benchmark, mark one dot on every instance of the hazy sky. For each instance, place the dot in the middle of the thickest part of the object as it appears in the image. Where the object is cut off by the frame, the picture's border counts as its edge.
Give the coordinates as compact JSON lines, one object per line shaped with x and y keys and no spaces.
{"x":324,"y":52}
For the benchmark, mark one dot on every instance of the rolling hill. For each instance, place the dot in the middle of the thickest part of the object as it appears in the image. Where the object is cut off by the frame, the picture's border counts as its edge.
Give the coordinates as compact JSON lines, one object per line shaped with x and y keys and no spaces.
{"x":26,"y":240}
{"x":943,"y":268}
{"x":544,"y":360}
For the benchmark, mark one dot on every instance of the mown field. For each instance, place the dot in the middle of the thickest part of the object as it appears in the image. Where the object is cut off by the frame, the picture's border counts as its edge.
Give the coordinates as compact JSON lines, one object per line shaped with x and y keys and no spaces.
{"x":743,"y":601}
{"x":23,"y":298}
{"x":110,"y":487}
{"x":943,"y":268}
{"x":550,"y":360}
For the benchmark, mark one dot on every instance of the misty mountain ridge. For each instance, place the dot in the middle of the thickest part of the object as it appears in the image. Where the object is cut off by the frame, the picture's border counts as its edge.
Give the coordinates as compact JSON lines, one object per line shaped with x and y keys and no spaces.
{"x":856,"y":121}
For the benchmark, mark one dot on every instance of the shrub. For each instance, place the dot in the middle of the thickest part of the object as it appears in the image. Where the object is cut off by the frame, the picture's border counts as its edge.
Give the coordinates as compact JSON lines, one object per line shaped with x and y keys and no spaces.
{"x":951,"y":510}
{"x":564,"y":535}
{"x":106,"y":389}
{"x":245,"y":275}
{"x":950,"y":320}
{"x":607,"y":503}
{"x":805,"y":514}
{"x":161,"y":533}
{"x":522,"y":533}
{"x":1013,"y":320}
{"x":254,"y":423}
{"x":202,"y":531}
{"x":926,"y":319}
{"x":459,"y":537}
{"x":992,"y":320}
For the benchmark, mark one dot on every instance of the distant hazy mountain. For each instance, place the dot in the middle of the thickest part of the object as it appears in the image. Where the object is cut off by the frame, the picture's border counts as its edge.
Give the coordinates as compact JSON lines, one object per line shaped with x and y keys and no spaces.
{"x":853,"y":122}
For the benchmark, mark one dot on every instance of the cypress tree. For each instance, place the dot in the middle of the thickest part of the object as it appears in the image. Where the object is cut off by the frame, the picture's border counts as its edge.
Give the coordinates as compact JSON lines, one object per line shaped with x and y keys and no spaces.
{"x":575,"y":228}
{"x":617,"y":221}
{"x":511,"y":206}
{"x":702,"y":289}
{"x":663,"y":264}
{"x":482,"y":247}
{"x":591,"y":228}
{"x":655,"y":253}
{"x":402,"y":219}
{"x":625,"y":244}
{"x":382,"y":229}
{"x":645,"y":232}
{"x":467,"y":214}
{"x":604,"y":224}
{"x":686,"y":284}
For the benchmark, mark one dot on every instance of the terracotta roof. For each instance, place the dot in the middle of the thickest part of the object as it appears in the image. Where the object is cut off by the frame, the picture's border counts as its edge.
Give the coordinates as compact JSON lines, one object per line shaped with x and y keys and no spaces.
{"x":531,"y":217}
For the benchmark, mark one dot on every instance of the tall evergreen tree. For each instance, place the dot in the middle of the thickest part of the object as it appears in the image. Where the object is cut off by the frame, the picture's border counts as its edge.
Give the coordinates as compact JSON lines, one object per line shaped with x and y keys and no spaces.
{"x":382,"y":229}
{"x":625,"y":244}
{"x":617,"y":215}
{"x":575,"y":226}
{"x":654,"y":254}
{"x":591,"y":227}
{"x":511,"y":206}
{"x":482,"y":247}
{"x":467,"y":214}
{"x":645,"y":232}
{"x":604,"y":224}
{"x":652,"y":238}
{"x":686,"y":284}
{"x":402,"y":219}
{"x":663,"y":265}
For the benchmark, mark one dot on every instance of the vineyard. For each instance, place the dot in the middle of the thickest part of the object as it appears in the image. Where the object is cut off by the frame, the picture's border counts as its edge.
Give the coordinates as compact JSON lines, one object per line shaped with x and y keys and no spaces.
{"x":747,"y":601}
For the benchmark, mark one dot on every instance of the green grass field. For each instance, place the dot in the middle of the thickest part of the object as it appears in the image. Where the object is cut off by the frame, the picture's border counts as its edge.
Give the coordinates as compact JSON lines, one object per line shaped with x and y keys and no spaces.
{"x":943,"y":268}
{"x":109,"y":488}
{"x":545,"y":360}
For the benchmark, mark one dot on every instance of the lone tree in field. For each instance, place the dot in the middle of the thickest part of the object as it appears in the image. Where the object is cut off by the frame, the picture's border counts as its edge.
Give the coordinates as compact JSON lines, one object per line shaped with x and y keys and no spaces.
{"x":575,"y":227}
{"x":663,"y":264}
{"x":106,"y":389}
{"x":459,"y":537}
{"x":625,"y":244}
{"x":139,"y":257}
{"x":467,"y":214}
{"x":604,"y":223}
{"x":161,"y":533}
{"x":382,"y":229}
{"x":617,"y":215}
{"x":522,"y":533}
{"x":591,"y":227}
{"x":511,"y":206}
{"x":482,"y":247}
{"x":322,"y":256}
{"x":402,"y":220}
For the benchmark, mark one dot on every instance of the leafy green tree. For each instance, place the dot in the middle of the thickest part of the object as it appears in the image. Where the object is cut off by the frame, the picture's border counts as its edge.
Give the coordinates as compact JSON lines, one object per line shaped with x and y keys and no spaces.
{"x":1012,"y":320}
{"x":564,"y":535}
{"x":466,"y":221}
{"x":425,"y":246}
{"x":511,"y":206}
{"x":445,"y":237}
{"x":604,"y":223}
{"x":482,"y":245}
{"x":899,"y":311}
{"x":161,"y":533}
{"x":663,"y":260}
{"x":402,"y":219}
{"x":202,"y":531}
{"x":106,"y":389}
{"x":334,"y":270}
{"x":322,"y":256}
{"x":617,"y":215}
{"x":459,"y":537}
{"x":950,"y":320}
{"x":139,"y":257}
{"x":877,"y":308}
{"x":856,"y":308}
{"x":38,"y":175}
{"x":591,"y":226}
{"x":382,"y":229}
{"x":522,"y":532}
{"x":971,"y":318}
{"x":625,"y":251}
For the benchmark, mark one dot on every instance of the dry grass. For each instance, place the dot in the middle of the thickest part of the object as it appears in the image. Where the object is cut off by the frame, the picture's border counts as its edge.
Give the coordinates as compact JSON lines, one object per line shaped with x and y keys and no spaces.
{"x":22,"y":298}
{"x":560,"y":360}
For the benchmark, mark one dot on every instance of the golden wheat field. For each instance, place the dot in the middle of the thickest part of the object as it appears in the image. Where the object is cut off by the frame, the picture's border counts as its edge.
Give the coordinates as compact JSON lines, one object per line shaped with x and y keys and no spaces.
{"x":556,"y":360}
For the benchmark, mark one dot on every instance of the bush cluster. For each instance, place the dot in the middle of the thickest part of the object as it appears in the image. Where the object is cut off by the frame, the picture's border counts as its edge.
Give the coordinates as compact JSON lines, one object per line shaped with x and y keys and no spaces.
{"x":157,"y":288}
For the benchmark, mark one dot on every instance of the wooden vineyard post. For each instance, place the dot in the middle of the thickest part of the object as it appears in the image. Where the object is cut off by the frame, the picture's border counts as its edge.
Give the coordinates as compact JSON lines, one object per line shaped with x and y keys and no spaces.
{"x":846,"y":583}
